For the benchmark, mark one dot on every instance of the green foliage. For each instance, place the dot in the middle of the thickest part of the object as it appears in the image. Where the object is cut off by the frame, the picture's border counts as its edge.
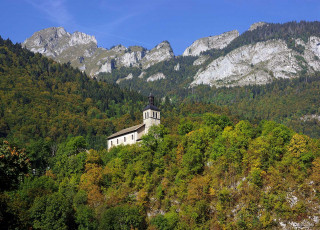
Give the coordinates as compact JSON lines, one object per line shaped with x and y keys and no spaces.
{"x":58,"y":102}
{"x":52,"y":212}
{"x":185,"y":127}
{"x":216,"y":119}
{"x":168,"y":221}
{"x":39,"y":153}
{"x":85,"y":219}
{"x":122,"y":217}
{"x":76,"y":145}
{"x":224,"y":173}
{"x":14,"y":164}
{"x":154,"y":136}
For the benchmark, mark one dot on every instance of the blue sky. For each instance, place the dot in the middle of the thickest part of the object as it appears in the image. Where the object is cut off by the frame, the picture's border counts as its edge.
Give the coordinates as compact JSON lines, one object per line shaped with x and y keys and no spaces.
{"x":148,"y":22}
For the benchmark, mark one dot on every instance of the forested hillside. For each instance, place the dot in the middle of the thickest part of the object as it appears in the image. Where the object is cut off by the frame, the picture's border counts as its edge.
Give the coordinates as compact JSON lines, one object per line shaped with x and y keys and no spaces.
{"x":202,"y":171}
{"x":290,"y":102}
{"x":41,"y":100}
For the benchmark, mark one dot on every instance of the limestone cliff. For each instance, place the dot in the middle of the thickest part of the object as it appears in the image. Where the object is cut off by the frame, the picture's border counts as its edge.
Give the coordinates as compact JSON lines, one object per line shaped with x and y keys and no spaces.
{"x":213,"y":42}
{"x":260,"y":63}
{"x":82,"y":52}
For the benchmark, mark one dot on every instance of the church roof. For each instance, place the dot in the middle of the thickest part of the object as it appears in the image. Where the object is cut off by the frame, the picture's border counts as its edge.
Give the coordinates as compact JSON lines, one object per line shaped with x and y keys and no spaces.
{"x":125,"y":131}
{"x":151,"y":107}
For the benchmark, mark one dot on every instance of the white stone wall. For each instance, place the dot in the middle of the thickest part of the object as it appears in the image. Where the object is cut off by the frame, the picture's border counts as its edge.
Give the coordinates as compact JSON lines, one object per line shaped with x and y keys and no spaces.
{"x":127,"y":139}
{"x":150,"y":117}
{"x":140,"y":133}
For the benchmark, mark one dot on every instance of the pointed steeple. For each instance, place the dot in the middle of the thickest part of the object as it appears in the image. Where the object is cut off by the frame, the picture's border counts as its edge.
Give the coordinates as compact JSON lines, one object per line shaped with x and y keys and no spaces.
{"x":151,"y":104}
{"x":151,"y":99}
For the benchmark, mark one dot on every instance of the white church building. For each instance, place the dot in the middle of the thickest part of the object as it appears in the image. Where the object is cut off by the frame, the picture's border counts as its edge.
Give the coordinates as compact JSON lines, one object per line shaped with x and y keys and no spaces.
{"x":132,"y":135}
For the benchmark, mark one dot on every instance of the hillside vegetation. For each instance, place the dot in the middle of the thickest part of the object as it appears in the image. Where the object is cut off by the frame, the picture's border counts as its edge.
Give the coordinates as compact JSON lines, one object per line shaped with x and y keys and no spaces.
{"x":44,"y":100}
{"x":205,"y":172}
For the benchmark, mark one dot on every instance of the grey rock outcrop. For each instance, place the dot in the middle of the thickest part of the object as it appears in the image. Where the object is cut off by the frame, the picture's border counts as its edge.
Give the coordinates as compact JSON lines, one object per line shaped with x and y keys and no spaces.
{"x":212,"y":42}
{"x":161,"y":52}
{"x":177,"y":67}
{"x":82,"y":52}
{"x":54,"y":42}
{"x":155,"y":77}
{"x":200,"y":60}
{"x":260,"y":63}
{"x":256,"y":25}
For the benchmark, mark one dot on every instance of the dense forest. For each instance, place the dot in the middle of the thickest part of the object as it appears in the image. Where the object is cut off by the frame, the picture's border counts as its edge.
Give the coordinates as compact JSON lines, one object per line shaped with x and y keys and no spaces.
{"x":198,"y":171}
{"x":47,"y":101}
{"x":285,"y":101}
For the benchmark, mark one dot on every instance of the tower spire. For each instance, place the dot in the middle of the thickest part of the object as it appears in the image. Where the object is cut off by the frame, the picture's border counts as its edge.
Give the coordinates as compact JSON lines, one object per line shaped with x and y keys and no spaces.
{"x":151,"y":99}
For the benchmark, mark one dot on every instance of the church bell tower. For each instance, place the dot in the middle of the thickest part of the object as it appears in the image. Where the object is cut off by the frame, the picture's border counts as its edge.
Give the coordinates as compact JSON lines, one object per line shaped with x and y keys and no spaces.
{"x":151,"y":114}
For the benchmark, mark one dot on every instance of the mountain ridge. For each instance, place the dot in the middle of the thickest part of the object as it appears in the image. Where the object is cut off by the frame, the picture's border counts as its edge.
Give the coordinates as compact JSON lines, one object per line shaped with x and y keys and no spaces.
{"x":229,"y":59}
{"x":82,"y":51}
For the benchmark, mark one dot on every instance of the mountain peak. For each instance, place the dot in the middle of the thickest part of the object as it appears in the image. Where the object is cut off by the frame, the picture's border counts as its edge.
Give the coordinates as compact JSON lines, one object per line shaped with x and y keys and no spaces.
{"x":118,"y":48}
{"x":212,"y":42}
{"x":256,"y":25}
{"x":79,"y":38}
{"x":164,"y":45}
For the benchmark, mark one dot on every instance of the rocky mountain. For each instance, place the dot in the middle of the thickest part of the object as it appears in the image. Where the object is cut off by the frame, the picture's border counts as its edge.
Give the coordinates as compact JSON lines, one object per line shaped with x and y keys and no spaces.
{"x":81,"y":51}
{"x":256,"y":25}
{"x":265,"y":52}
{"x":212,"y":42}
{"x":260,"y":63}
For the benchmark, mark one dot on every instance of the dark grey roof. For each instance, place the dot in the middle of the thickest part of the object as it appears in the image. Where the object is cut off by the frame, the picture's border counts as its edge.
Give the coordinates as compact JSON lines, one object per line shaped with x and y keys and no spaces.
{"x":151,"y":107}
{"x":125,"y":131}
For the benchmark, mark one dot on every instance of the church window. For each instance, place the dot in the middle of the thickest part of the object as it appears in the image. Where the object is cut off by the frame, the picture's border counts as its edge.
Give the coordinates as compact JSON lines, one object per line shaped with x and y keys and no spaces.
{"x":111,"y":143}
{"x":117,"y":141}
{"x":153,"y":115}
{"x":124,"y":139}
{"x":132,"y":136}
{"x":156,"y":115}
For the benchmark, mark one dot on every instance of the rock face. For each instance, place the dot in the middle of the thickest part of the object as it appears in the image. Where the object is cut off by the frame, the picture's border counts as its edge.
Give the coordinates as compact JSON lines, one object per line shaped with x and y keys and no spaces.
{"x":257,"y":63}
{"x":200,"y":60}
{"x":82,"y":52}
{"x":130,"y":76}
{"x":213,"y":42}
{"x":256,"y":25}
{"x":155,"y":77}
{"x":55,"y":41}
{"x":177,"y":67}
{"x":161,"y":52}
{"x":260,"y":64}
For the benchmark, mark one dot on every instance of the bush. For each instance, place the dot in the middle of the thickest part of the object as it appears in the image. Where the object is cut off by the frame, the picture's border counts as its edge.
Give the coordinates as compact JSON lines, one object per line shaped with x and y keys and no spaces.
{"x":122,"y":217}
